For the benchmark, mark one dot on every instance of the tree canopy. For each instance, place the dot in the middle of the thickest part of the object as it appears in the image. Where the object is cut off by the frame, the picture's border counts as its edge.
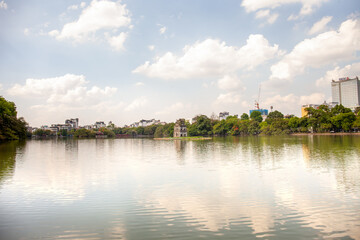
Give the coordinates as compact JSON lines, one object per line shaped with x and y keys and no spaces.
{"x":11,"y":127}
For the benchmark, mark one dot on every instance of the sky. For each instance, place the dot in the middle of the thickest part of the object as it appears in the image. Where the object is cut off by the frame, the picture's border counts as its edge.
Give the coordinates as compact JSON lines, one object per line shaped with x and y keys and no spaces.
{"x":123,"y":61}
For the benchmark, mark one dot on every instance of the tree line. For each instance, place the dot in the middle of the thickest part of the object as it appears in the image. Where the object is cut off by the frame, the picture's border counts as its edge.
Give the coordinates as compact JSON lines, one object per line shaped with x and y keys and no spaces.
{"x":320,"y":120}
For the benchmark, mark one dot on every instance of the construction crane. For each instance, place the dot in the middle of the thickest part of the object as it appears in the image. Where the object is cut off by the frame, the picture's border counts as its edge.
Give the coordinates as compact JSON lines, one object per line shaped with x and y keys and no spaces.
{"x":257,"y":102}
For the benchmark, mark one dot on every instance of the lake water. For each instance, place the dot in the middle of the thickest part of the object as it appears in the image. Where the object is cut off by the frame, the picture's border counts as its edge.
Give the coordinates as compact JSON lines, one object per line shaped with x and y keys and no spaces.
{"x":228,"y":188}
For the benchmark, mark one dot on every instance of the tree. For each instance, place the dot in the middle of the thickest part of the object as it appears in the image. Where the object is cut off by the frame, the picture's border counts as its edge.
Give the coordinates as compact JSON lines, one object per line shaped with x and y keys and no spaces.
{"x":244,"y":116}
{"x":254,"y":127}
{"x":42,"y":132}
{"x":140,"y":130}
{"x":357,"y":111}
{"x":202,"y":127}
{"x":219,"y":128}
{"x":273,"y":116}
{"x":294,"y":123}
{"x":256,"y":115}
{"x":11,"y":127}
{"x":356,"y":123}
{"x":339,"y":109}
{"x":343,"y":121}
{"x":84,"y":133}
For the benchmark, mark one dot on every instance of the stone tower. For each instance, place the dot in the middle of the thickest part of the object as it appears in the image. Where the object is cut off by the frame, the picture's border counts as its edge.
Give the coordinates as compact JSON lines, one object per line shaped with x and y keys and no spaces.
{"x":180,"y":129}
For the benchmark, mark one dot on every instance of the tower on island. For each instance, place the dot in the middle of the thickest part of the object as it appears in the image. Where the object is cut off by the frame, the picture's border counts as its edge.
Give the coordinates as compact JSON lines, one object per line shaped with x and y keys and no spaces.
{"x":180,"y":129}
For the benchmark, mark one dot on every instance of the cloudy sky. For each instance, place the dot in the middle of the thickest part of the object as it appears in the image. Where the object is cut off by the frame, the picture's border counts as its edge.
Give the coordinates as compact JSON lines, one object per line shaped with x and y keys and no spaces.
{"x":129,"y":60}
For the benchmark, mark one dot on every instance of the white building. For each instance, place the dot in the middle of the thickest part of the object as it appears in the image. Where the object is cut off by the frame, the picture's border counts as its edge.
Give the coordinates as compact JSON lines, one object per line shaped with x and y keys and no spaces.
{"x":100,"y":124}
{"x":223,"y":115}
{"x":145,"y":123}
{"x":73,"y":122}
{"x":346,"y":92}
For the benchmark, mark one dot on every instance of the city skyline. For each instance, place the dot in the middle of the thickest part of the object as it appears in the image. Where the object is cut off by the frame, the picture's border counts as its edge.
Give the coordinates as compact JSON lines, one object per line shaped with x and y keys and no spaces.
{"x":122,"y":61}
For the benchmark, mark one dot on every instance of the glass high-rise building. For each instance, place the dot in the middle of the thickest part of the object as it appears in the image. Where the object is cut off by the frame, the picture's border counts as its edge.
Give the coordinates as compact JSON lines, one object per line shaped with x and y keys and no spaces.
{"x":346,"y":91}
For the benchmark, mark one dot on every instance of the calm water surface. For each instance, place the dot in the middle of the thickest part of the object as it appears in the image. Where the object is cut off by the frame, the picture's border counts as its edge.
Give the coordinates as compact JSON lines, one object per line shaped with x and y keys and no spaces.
{"x":226,"y":188}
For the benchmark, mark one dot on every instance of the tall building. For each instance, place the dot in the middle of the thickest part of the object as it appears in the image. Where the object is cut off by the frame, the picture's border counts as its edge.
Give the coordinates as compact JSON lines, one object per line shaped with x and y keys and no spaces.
{"x":346,"y":91}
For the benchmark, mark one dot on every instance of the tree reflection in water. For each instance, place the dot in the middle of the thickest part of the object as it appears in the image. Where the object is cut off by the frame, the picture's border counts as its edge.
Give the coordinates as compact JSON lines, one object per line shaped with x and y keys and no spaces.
{"x":8,"y":152}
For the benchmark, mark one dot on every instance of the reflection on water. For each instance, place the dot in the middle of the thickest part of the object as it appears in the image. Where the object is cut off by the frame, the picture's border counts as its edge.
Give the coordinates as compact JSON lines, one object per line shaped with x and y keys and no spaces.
{"x":8,"y":153}
{"x":264,"y":187}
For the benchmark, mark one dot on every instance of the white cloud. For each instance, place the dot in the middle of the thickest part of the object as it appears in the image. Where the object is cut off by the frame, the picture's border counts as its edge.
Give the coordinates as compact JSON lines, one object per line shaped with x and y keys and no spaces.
{"x":68,"y":91}
{"x":292,"y":103}
{"x":228,"y":98}
{"x":139,"y":84}
{"x":162,"y":30}
{"x":117,"y":42}
{"x":99,"y":15}
{"x":230,"y":82}
{"x":54,"y":33}
{"x":255,"y":5}
{"x":73,"y":7}
{"x":151,"y":47}
{"x":347,"y":71}
{"x":270,"y":18}
{"x":1,"y":86}
{"x":26,"y":32}
{"x":320,"y":25}
{"x":326,"y":48}
{"x":137,"y":103}
{"x":3,"y":5}
{"x":210,"y":58}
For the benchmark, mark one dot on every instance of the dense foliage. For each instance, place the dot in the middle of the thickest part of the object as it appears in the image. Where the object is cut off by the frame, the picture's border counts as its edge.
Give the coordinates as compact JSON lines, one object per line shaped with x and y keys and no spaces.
{"x":11,"y":127}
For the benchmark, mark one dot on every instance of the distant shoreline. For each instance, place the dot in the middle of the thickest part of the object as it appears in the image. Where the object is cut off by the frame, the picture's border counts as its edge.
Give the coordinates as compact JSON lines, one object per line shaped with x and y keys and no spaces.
{"x":326,"y":134}
{"x":184,"y":138}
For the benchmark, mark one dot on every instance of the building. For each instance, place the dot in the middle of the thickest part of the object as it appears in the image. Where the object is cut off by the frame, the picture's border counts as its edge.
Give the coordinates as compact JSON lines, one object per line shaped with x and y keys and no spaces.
{"x":346,"y":92}
{"x":223,"y":115}
{"x":145,"y":123}
{"x":180,"y":129}
{"x":100,"y":124}
{"x":73,"y":122}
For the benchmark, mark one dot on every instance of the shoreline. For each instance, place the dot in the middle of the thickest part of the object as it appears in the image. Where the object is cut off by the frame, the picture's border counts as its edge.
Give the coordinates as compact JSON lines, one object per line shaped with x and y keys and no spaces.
{"x":184,"y":138}
{"x":325,"y":134}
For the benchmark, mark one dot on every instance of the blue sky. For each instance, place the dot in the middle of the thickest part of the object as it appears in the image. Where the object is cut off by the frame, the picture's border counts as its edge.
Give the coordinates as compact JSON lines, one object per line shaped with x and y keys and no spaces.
{"x":129,"y":60}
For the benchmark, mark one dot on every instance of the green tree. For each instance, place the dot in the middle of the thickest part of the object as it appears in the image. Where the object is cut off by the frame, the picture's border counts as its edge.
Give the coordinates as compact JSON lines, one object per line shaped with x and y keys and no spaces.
{"x":339,"y":109}
{"x":357,"y":111}
{"x":219,"y":128}
{"x":244,"y":116}
{"x":294,"y":124}
{"x":140,"y":130}
{"x":254,"y":127}
{"x":273,"y":116}
{"x":84,"y":133}
{"x":202,"y":127}
{"x":42,"y":132}
{"x":11,"y":127}
{"x":256,"y":115}
{"x":343,"y":121}
{"x":356,"y":123}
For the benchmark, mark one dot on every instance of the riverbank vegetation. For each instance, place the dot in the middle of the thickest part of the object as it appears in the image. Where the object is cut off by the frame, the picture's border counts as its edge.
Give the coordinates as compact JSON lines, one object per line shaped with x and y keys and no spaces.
{"x":321,"y":120}
{"x":11,"y":127}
